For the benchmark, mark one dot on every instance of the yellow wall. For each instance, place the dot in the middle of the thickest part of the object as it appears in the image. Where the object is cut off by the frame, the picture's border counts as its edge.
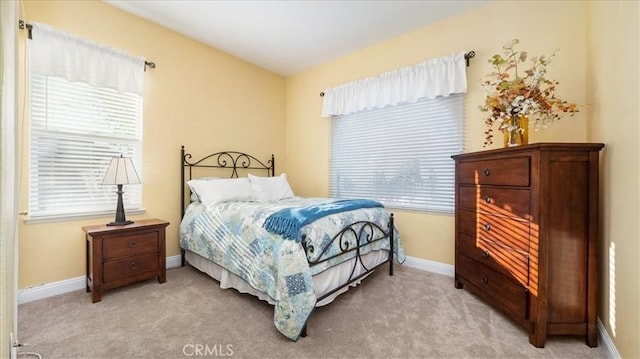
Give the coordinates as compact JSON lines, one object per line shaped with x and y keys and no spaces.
{"x":197,"y":96}
{"x":596,"y":69}
{"x":613,"y":88}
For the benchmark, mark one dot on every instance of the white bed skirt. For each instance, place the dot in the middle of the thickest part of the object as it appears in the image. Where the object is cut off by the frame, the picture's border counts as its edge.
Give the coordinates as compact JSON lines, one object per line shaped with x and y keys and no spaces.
{"x":323,"y":282}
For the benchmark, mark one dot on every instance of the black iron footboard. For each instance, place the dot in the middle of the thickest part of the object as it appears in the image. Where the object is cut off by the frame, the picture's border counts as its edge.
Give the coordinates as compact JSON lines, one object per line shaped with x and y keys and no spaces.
{"x":356,"y":237}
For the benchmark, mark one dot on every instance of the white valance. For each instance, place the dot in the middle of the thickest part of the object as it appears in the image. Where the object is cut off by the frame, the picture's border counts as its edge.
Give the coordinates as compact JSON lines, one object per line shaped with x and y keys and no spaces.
{"x":433,"y":78}
{"x":56,"y":53}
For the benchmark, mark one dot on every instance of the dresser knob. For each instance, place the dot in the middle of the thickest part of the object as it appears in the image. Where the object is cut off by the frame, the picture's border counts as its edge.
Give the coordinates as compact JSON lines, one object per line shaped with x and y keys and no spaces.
{"x":486,"y":172}
{"x":487,"y":226}
{"x":487,"y":199}
{"x":132,"y":244}
{"x":485,"y":253}
{"x":485,"y":280}
{"x":132,"y":265}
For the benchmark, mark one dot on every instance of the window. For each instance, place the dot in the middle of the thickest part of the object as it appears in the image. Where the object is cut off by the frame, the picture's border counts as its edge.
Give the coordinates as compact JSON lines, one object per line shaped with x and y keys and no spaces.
{"x":85,"y":108}
{"x":75,"y":130}
{"x":392,"y":135}
{"x":399,"y":155}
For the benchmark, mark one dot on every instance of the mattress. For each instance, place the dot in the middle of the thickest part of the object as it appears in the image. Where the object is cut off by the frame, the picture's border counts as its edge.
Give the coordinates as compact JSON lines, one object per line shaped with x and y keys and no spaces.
{"x":323,"y":282}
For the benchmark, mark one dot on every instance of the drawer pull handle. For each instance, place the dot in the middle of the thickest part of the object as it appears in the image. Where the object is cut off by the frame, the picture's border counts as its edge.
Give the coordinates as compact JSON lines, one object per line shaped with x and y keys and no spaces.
{"x":487,"y":199}
{"x":486,"y":172}
{"x":487,"y":227}
{"x":132,"y":265}
{"x":485,"y":253}
{"x":485,"y":280}
{"x":132,"y":244}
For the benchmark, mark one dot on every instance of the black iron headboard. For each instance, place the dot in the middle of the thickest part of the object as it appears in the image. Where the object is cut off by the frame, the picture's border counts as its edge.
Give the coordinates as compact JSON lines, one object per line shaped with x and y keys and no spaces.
{"x":230,"y":160}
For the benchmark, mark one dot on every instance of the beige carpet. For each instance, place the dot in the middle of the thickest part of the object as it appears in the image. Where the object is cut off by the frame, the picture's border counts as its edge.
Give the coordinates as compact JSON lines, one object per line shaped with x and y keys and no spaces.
{"x":413,"y":314}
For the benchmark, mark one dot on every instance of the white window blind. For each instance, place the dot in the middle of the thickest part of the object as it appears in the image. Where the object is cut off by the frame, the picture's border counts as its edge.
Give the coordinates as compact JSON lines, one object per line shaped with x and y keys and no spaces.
{"x":399,"y":155}
{"x":75,"y":129}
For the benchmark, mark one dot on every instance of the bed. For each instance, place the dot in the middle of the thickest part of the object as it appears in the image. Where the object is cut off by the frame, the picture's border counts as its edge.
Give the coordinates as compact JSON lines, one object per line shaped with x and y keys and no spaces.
{"x":242,"y":225}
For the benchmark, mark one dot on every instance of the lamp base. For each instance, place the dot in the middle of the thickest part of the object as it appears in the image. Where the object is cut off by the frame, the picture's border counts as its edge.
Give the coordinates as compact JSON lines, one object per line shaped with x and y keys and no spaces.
{"x":121,"y":220}
{"x":119,"y":223}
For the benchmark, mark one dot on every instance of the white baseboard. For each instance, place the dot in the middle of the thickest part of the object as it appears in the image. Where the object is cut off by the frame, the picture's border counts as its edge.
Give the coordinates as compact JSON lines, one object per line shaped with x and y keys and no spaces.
{"x":429,"y":266}
{"x":69,"y":285}
{"x":605,"y":340}
{"x":174,"y":261}
{"x":42,"y":291}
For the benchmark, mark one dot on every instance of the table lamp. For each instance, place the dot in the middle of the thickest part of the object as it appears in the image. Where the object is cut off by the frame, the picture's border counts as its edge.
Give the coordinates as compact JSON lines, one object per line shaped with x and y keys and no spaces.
{"x":120,"y":172}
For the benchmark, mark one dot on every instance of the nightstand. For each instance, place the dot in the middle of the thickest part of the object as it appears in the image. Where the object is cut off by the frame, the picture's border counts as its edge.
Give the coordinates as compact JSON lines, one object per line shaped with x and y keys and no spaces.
{"x":120,"y":255}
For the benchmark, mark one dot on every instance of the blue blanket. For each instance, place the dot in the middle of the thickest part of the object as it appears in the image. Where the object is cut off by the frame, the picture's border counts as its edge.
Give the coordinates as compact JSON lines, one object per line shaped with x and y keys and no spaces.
{"x":289,"y":221}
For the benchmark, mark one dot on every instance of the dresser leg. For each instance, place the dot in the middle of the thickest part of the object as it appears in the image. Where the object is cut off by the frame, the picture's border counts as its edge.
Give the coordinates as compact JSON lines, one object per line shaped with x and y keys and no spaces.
{"x":96,"y":295}
{"x":537,"y":338}
{"x":457,"y":284}
{"x":592,"y":338}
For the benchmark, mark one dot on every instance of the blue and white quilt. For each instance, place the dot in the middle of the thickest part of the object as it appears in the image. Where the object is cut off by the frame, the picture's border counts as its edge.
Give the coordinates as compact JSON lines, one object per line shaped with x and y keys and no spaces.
{"x":232,"y":235}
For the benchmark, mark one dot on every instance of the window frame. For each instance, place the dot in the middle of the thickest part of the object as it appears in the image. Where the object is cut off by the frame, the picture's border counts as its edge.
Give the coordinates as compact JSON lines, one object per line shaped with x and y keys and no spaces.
{"x":454,"y":141}
{"x":102,"y":109}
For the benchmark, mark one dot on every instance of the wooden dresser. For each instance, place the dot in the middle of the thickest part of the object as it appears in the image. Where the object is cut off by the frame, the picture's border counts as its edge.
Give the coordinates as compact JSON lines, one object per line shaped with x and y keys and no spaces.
{"x":527,"y":235}
{"x":121,"y":255}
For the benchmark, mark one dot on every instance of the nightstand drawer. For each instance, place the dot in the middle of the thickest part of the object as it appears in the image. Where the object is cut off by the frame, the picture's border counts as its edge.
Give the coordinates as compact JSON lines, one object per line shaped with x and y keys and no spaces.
{"x":505,"y":172}
{"x":132,"y":244}
{"x":130,"y":266}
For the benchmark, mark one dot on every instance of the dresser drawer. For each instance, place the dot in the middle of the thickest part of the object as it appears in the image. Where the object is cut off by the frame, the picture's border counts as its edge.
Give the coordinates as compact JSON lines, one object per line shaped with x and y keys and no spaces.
{"x":130,"y":266}
{"x":506,"y":292}
{"x":503,"y":172}
{"x":511,"y":202}
{"x":130,"y":244}
{"x":509,"y":232}
{"x":512,"y":263}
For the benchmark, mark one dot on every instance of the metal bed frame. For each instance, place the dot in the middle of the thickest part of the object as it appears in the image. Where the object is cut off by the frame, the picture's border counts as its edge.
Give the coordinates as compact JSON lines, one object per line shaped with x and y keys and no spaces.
{"x":362,"y":233}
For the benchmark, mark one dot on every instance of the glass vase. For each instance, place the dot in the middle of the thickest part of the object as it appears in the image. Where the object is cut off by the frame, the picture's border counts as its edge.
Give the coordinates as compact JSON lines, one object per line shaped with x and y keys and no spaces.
{"x":517,"y":132}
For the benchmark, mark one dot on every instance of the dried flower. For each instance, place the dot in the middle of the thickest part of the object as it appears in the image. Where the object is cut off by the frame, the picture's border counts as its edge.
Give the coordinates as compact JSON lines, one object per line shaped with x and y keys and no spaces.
{"x":510,"y":95}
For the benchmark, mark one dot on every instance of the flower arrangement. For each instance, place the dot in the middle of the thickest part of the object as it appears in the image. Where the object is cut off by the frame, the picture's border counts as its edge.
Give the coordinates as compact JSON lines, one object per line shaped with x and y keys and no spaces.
{"x":511,"y":97}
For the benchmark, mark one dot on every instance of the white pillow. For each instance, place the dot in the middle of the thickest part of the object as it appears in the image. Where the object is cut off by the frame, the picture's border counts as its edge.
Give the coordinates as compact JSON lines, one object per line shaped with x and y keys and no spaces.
{"x":212,"y":191}
{"x":267,"y":189}
{"x":194,"y":196}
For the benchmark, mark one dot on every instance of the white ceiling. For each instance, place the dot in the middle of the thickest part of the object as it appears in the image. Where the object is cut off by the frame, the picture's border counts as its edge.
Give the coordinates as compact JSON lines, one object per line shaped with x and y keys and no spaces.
{"x":287,"y":37}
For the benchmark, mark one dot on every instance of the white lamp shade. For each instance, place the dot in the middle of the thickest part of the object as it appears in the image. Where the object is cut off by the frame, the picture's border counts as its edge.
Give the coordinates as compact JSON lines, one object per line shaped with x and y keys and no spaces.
{"x":121,"y":171}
